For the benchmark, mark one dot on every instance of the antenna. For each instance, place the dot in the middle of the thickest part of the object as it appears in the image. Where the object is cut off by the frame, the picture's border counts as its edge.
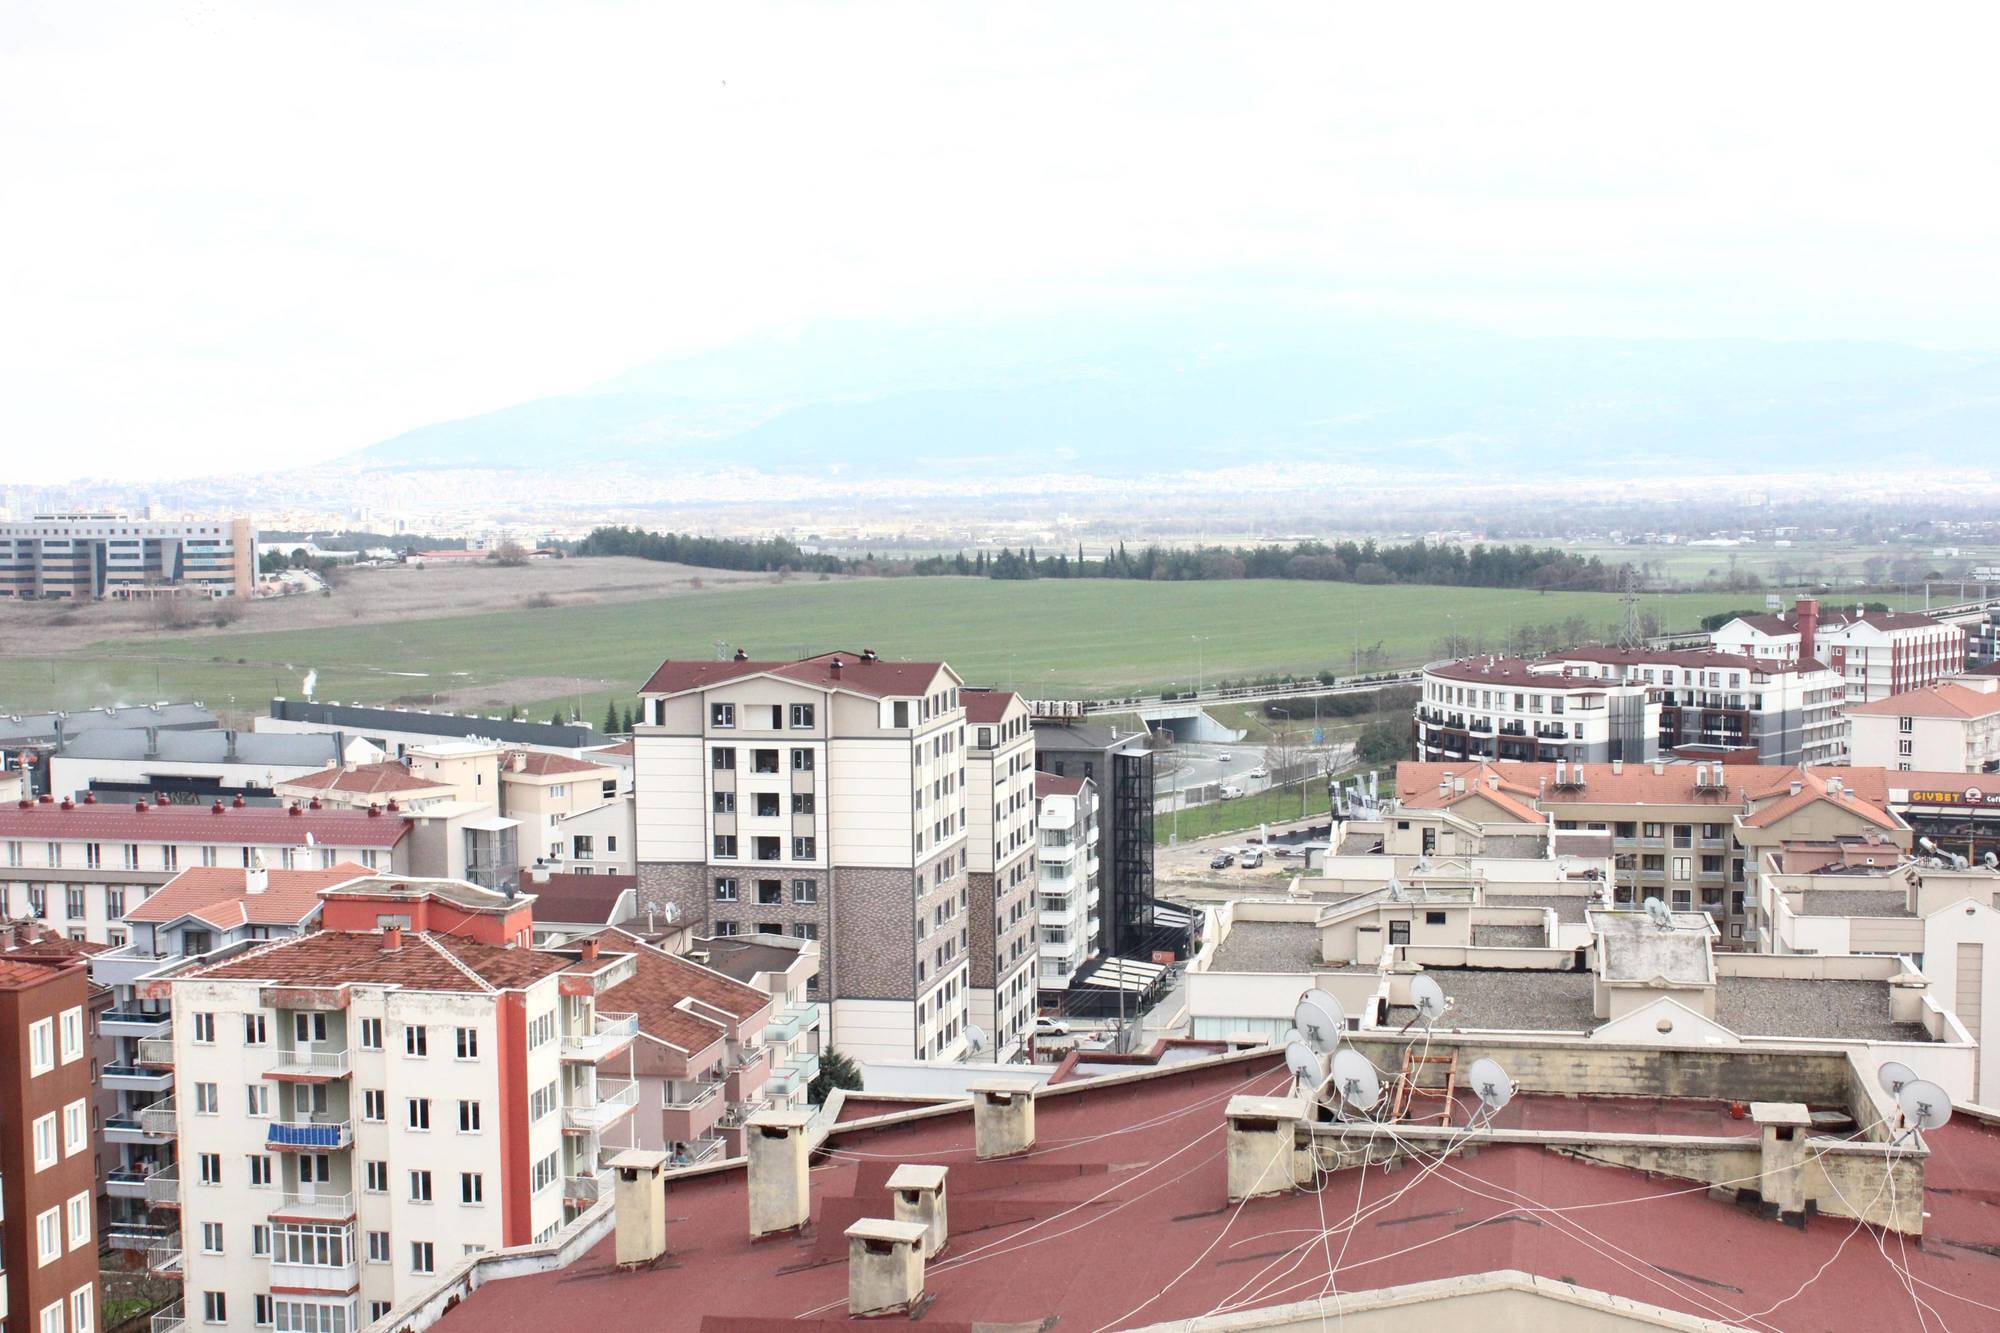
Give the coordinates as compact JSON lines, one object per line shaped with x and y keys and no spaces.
{"x":1429,"y":999}
{"x":1490,"y":1081}
{"x":1657,"y":910}
{"x":1893,"y":1075}
{"x":1320,"y":1021}
{"x":1357,"y":1081}
{"x":1924,"y":1105}
{"x":1307,"y":1065}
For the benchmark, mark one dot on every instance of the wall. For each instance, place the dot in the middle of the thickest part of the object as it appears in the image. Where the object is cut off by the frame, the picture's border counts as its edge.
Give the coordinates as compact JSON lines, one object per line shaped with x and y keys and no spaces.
{"x":1501,"y":1299}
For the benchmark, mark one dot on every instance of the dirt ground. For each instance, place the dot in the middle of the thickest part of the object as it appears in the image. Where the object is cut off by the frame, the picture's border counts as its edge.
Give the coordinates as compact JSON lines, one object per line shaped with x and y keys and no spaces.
{"x":368,"y":596}
{"x":1183,"y":871}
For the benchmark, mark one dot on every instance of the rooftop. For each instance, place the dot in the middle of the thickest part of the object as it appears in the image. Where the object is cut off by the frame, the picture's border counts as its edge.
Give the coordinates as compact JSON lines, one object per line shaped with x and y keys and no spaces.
{"x":542,"y":764}
{"x":1056,"y":784}
{"x":858,"y":673}
{"x":1941,"y":700}
{"x":743,"y":957}
{"x":219,"y":896}
{"x":369,"y":720}
{"x":1821,"y":1009}
{"x":205,"y":747}
{"x":661,"y":987}
{"x":584,"y":900}
{"x":1268,"y":946}
{"x":261,"y":826}
{"x":29,"y":728}
{"x":387,"y":778}
{"x":1855,"y":902}
{"x":986,"y":705}
{"x":425,"y":961}
{"x":1507,"y":1001}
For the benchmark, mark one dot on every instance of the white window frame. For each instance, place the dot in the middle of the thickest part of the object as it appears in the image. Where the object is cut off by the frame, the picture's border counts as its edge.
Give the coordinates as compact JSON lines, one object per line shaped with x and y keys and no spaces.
{"x":47,"y":1144}
{"x":72,"y":1034}
{"x":41,"y":1046}
{"x":76,"y":1127}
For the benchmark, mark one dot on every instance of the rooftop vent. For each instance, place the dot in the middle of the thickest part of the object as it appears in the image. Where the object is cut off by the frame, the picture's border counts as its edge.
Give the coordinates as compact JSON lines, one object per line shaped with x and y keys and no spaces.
{"x":885,"y":1266}
{"x":641,"y":1206}
{"x":780,"y":1194}
{"x":919,"y":1192}
{"x":1003,"y":1117}
{"x":1263,"y":1138}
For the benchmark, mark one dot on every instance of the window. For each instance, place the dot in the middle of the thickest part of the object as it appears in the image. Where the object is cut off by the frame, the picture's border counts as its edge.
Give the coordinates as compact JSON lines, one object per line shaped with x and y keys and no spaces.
{"x":79,"y":1220}
{"x":420,"y":1187}
{"x":203,"y":1026}
{"x":308,"y":1028}
{"x":376,"y":1174}
{"x":1903,"y":747}
{"x":377,"y":1310}
{"x":722,"y":715}
{"x":468,"y":1043}
{"x":254,"y":1033}
{"x":806,"y":930}
{"x":802,"y":716}
{"x":1656,"y":830}
{"x":725,"y":890}
{"x":371,"y":1034}
{"x":1906,"y":724}
{"x":1399,"y":932}
{"x":93,"y":856}
{"x":76,"y":1136}
{"x":767,"y":804}
{"x":48,"y":1236}
{"x":1683,"y":865}
{"x":544,"y":1173}
{"x":45,"y":1142}
{"x":802,"y":761}
{"x":722,"y":759}
{"x":211,"y":1238}
{"x":209,"y":1168}
{"x":805,"y":891}
{"x":419,"y":1109}
{"x":804,"y":849}
{"x":378,"y":1247}
{"x":260,"y":1241}
{"x":41,"y":1046}
{"x":37,"y":900}
{"x":900,"y":713}
{"x":803,"y":803}
{"x":770,"y":892}
{"x":73,"y":905}
{"x":372,"y":1104}
{"x":471,"y":1187}
{"x":725,"y":803}
{"x":82,"y":1309}
{"x":725,"y":846}
{"x":214,"y":1307}
{"x":468,"y":1117}
{"x":1434,"y":918}
{"x":542,"y":1102}
{"x":257,"y":1100}
{"x":416,"y":1040}
{"x":206,"y":1102}
{"x":131,"y":856}
{"x":421,"y":1258}
{"x":541,"y":1030}
{"x":260,"y":1169}
{"x":262,"y":1308}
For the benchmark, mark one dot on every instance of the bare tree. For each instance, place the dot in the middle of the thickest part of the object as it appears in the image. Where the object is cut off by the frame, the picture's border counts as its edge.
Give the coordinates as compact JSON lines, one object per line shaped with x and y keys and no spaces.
{"x":510,"y":554}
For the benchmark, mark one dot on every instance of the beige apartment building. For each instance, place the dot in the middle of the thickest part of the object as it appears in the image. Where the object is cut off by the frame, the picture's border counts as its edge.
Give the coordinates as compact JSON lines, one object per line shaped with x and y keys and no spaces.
{"x":1001,"y":811}
{"x":823,"y":799}
{"x":1950,"y":727}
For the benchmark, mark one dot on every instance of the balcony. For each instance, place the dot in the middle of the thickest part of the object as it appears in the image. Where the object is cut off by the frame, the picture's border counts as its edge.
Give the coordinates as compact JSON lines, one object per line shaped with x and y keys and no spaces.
{"x":157,"y":1051}
{"x":690,"y":1096}
{"x":607,"y":1110}
{"x":164,"y":1259}
{"x":317,"y":1277}
{"x":739,"y":1113}
{"x":293,"y":1206}
{"x":1048,"y":918}
{"x":790,"y":1021}
{"x":172,"y":1319}
{"x":309,"y":1135}
{"x":609,"y":1034}
{"x":135,"y":1023}
{"x":142,"y":1236}
{"x":746,"y":1058}
{"x":707,"y":1148}
{"x":804,"y":1068}
{"x":302,"y":1065}
{"x":132,"y":1078}
{"x":1060,"y":948}
{"x":123,"y":1182}
{"x":163,"y":1187}
{"x":586,"y":1190}
{"x":159,"y":1118}
{"x":128,"y":1129}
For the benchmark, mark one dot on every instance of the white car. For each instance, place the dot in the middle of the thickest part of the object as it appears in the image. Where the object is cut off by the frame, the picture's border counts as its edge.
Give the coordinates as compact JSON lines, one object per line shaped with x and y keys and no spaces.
{"x":1051,"y":1027}
{"x":1258,"y":773}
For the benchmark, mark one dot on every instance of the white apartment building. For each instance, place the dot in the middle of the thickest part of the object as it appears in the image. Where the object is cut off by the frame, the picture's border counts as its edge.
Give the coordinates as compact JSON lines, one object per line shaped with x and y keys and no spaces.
{"x":84,"y":556}
{"x":1000,"y":854}
{"x":360,"y":1107}
{"x":823,"y":799}
{"x":1069,"y":883}
{"x":79,"y":867}
{"x":1950,"y":727}
{"x":1595,"y":705}
{"x":1875,"y":653}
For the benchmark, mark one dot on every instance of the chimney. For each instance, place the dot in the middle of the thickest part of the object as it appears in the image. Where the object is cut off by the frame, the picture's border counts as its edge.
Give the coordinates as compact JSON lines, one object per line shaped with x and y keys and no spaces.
{"x":835,"y":668}
{"x":780,"y":1193}
{"x":538,"y":874}
{"x":518,"y":761}
{"x":919,"y":1192}
{"x":392,"y":938}
{"x":1781,"y":1132}
{"x":1003,"y":1117}
{"x":1807,"y":614}
{"x":256,"y":879}
{"x":1797,"y":786}
{"x":1617,"y":767}
{"x":230,"y":737}
{"x":1444,"y":785}
{"x":590,"y":950}
{"x":885,"y":1266}
{"x":1659,"y":768}
{"x":641,"y":1207}
{"x":1263,"y":1137}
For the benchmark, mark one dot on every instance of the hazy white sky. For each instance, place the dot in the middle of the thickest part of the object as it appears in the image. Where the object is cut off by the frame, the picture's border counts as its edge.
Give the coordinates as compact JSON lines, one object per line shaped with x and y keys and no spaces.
{"x":238,"y":233}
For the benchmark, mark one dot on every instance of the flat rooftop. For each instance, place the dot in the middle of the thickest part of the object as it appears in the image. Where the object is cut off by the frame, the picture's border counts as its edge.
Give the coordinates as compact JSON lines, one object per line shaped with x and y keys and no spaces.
{"x":1855,"y":902}
{"x":1800,"y":1007}
{"x":1509,"y":937}
{"x":1273,"y":946}
{"x":1497,"y":1000}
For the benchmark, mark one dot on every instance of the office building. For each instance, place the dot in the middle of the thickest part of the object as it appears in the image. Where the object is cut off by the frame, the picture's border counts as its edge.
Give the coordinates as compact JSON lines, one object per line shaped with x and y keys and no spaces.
{"x":88,"y":556}
{"x":823,"y":799}
{"x":1875,"y":653}
{"x":1001,"y":857}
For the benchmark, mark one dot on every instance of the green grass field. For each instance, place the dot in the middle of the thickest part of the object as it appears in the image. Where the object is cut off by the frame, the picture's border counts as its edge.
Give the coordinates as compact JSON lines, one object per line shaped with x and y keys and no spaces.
{"x":1083,"y":639}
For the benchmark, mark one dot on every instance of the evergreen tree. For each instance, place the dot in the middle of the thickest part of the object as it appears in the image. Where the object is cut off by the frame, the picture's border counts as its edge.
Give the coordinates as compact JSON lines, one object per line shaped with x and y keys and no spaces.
{"x":627,"y":728}
{"x":835,"y":1071}
{"x":611,"y":718}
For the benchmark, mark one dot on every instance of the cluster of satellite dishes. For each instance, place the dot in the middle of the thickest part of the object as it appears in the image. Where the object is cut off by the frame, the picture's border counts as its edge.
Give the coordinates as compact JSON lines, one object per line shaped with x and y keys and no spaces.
{"x":1320,"y":1064}
{"x":1940,"y":859}
{"x":1923,"y":1103}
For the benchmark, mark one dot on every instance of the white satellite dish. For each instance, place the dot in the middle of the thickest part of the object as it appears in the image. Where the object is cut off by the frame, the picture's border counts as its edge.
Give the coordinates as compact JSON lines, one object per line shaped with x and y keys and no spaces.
{"x":1662,"y":917}
{"x":1893,"y":1075}
{"x":1307,"y":1066}
{"x":1319,"y":1020}
{"x":1356,"y":1080}
{"x":1924,"y":1104}
{"x":310,"y":840}
{"x":1491,"y":1083}
{"x":1428,"y":997}
{"x":670,"y":913}
{"x":975,"y":1037}
{"x":1395,"y":890}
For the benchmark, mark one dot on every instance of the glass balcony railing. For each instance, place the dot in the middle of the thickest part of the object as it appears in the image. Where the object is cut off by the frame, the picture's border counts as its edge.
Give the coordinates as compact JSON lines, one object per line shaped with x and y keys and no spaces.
{"x":790,"y":1021}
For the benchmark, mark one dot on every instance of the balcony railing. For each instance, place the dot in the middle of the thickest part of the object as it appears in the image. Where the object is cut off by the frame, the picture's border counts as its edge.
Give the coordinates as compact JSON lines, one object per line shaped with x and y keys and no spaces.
{"x":172,"y":1319}
{"x":605,"y":1111}
{"x":790,"y":1021}
{"x":158,"y":1118}
{"x":319,"y":1207}
{"x":164,"y":1259}
{"x":308,"y":1135}
{"x":156,"y":1051}
{"x":740,"y":1112}
{"x":135,"y":1022}
{"x":804,"y":1068}
{"x":143,"y":1236}
{"x":123,"y":1182}
{"x":586,"y":1189}
{"x":163,"y":1187}
{"x":310,"y":1064}
{"x":690,"y":1096}
{"x":135,"y":1078}
{"x":316,"y":1277}
{"x":704,"y":1149}
{"x":609,"y":1033}
{"x":746,"y":1057}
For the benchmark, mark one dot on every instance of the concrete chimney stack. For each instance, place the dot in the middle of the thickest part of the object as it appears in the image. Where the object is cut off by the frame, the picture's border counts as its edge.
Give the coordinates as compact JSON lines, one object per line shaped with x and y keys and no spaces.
{"x":780,"y":1196}
{"x":1781,"y":1148}
{"x":1263,"y":1140}
{"x":641,"y":1206}
{"x":919,"y":1192}
{"x":1003,"y":1117}
{"x":885,"y":1266}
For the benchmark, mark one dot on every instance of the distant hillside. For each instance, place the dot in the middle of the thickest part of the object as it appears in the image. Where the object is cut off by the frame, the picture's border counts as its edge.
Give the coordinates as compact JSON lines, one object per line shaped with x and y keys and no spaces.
{"x":1124,"y":398}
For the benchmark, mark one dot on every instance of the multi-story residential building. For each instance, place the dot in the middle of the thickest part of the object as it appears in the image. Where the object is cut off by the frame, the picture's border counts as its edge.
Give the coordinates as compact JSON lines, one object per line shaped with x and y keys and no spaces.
{"x":358,"y":786}
{"x":1982,"y":641}
{"x":1119,"y":766}
{"x":360,"y":1107}
{"x":79,"y":866}
{"x":85,"y":556}
{"x":823,"y":799}
{"x":601,"y":840}
{"x":1950,"y":727}
{"x":202,"y":914}
{"x":1684,"y":833}
{"x":1069,"y":879}
{"x":1593,"y":705}
{"x":1001,"y":857}
{"x":48,"y":1224}
{"x":1875,"y":653}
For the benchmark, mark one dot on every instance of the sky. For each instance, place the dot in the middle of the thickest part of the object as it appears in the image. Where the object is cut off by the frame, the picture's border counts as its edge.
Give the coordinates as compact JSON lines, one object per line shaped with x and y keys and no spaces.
{"x":239,"y":236}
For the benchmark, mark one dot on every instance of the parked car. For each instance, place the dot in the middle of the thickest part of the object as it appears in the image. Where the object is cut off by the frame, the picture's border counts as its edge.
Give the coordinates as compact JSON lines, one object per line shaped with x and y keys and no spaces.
{"x":1221,"y":861}
{"x":1251,"y":860}
{"x":1050,"y":1027}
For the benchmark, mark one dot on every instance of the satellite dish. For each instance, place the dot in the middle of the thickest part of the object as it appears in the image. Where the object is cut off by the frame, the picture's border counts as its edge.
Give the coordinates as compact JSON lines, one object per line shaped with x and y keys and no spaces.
{"x":310,"y":840}
{"x":1395,"y":890}
{"x":1893,"y":1075}
{"x":1428,"y":997}
{"x":975,"y":1037}
{"x":1924,"y":1104}
{"x":1657,"y":910}
{"x":1307,"y":1066}
{"x":1491,"y":1083}
{"x":1319,"y":1020}
{"x":1356,"y":1080}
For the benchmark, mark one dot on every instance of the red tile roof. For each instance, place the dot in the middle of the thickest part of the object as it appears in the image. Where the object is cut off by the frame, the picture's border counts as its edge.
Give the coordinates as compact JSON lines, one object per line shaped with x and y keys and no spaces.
{"x":1056,"y":784}
{"x":18,"y":973}
{"x":882,"y":679}
{"x":1543,"y":673}
{"x":1119,"y":1218}
{"x":623,"y":747}
{"x":386,"y":778}
{"x":427,"y":961}
{"x":256,"y":825}
{"x":661,"y":986}
{"x":216,"y":894}
{"x":576,"y":899}
{"x":1866,"y":789}
{"x":542,"y":764}
{"x":986,"y":705}
{"x":1941,"y":700}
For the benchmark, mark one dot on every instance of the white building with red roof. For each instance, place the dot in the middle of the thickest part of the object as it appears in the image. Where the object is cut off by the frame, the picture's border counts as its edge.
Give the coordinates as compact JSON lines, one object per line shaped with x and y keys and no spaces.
{"x":1950,"y":727}
{"x":1875,"y":653}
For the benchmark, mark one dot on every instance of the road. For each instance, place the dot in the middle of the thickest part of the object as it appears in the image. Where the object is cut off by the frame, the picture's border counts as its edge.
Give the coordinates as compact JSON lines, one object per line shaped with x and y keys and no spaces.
{"x":1203,"y":762}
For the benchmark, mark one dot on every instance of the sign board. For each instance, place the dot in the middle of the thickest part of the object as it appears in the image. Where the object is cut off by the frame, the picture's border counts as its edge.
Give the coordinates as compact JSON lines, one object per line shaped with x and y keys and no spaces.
{"x":1979,"y":796}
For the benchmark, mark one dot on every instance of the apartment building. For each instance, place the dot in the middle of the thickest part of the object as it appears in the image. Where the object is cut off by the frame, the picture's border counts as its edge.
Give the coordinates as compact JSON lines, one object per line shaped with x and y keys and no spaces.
{"x":1001,"y":859}
{"x":79,"y":866}
{"x":202,"y":914}
{"x":1119,"y":767}
{"x":1875,"y":653}
{"x":48,"y":1223}
{"x":359,"y":1107}
{"x":823,"y":799}
{"x":1950,"y":727}
{"x":1684,"y":833}
{"x":87,"y":556}
{"x":1594,"y":705}
{"x":1069,"y":880}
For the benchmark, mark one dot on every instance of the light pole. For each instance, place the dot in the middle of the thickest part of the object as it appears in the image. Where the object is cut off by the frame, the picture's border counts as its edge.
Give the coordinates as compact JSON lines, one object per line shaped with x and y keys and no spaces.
{"x":1199,"y":663}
